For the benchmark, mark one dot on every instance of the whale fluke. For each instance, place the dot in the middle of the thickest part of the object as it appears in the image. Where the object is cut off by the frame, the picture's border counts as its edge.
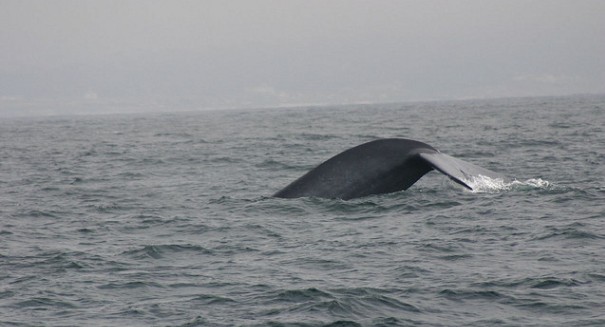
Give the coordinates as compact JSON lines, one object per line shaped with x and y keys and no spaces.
{"x":380,"y":166}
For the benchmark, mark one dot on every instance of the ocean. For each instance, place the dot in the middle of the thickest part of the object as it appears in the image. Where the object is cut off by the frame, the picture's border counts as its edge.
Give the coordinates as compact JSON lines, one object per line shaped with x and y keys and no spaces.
{"x":167,"y":219}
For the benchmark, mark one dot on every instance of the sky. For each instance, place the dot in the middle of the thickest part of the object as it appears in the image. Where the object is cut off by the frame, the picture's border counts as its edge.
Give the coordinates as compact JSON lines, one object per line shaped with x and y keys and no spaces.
{"x":255,"y":53}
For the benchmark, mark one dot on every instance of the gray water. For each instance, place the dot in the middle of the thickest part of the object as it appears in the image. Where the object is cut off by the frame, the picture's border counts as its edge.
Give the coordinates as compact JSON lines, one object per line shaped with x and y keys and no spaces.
{"x":168,"y":219}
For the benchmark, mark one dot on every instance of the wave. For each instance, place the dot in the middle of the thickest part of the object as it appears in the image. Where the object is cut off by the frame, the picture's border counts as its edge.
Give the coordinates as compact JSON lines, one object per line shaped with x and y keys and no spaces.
{"x":355,"y":303}
{"x":162,"y":251}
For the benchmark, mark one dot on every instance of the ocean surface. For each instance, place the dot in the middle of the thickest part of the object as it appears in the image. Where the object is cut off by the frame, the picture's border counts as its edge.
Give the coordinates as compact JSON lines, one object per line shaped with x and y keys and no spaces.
{"x":168,"y":220}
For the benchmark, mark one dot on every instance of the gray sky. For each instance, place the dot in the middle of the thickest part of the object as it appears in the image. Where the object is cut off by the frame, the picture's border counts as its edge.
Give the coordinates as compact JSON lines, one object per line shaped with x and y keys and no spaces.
{"x":264,"y":52}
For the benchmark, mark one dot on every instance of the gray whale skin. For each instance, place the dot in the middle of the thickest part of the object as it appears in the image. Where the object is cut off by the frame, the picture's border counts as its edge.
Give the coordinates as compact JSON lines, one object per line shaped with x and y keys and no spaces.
{"x":378,"y":167}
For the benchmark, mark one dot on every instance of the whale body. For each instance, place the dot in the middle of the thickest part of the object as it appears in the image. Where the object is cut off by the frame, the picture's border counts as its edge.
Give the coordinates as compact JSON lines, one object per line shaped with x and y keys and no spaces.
{"x":378,"y":167}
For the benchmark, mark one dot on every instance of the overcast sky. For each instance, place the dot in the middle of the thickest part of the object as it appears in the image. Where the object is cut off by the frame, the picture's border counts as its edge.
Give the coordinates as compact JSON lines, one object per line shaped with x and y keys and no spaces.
{"x":230,"y":53}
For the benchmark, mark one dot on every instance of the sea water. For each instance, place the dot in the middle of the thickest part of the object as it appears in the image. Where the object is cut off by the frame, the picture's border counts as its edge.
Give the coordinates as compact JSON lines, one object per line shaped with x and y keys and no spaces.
{"x":168,"y":220}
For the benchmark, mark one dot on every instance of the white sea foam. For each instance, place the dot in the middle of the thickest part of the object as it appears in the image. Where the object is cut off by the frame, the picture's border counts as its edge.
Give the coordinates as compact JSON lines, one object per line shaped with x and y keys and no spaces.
{"x":484,"y":184}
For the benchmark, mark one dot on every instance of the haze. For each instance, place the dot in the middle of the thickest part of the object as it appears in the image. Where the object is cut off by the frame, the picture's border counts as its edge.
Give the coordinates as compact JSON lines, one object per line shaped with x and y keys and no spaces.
{"x":232,"y":54}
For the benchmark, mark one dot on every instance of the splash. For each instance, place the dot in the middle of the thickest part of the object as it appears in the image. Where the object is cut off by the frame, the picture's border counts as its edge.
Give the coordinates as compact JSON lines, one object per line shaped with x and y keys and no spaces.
{"x":532,"y":183}
{"x":484,"y":184}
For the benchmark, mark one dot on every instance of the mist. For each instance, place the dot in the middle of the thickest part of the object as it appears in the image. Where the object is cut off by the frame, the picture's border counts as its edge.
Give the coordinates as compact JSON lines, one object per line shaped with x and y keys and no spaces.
{"x":160,"y":55}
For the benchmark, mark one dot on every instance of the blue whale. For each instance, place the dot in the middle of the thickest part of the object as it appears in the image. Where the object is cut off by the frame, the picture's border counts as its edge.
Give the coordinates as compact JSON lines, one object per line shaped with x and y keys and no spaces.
{"x":378,"y":167}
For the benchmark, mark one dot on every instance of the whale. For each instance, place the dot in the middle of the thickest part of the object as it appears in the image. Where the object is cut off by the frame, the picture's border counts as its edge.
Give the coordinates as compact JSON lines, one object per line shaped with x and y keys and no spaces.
{"x":378,"y":167}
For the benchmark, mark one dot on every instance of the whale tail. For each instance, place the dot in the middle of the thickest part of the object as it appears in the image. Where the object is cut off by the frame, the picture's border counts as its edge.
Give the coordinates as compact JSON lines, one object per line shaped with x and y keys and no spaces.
{"x":380,"y":166}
